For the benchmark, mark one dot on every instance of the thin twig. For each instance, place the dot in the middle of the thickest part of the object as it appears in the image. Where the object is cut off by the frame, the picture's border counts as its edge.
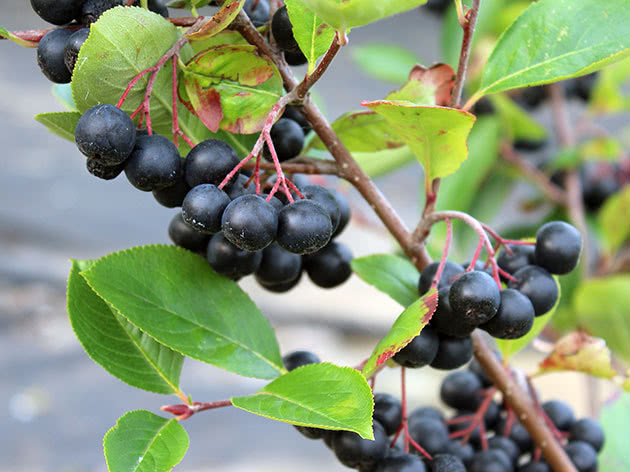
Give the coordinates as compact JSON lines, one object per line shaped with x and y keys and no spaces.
{"x":464,"y":56}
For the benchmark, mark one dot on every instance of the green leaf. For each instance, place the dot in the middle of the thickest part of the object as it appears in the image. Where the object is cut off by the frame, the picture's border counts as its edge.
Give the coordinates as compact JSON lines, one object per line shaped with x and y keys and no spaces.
{"x":601,"y":306}
{"x":119,"y":347}
{"x":387,"y":62}
{"x":174,"y":296}
{"x":406,"y":327}
{"x":217,"y":23}
{"x":615,"y":417}
{"x":393,"y":275}
{"x":516,"y":121}
{"x":188,"y":4}
{"x":383,"y":162}
{"x":558,"y":39}
{"x":144,"y":442}
{"x":63,"y":93}
{"x":432,"y":86}
{"x":437,"y":136}
{"x":316,"y":395}
{"x":509,"y":347}
{"x":312,"y":35}
{"x":60,"y":123}
{"x":609,"y":93}
{"x":613,"y":232}
{"x":232,"y":87}
{"x":346,"y":14}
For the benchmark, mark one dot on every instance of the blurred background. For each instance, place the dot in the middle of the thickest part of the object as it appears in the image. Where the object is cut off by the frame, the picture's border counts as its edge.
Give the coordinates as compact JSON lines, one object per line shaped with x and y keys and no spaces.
{"x":55,"y":403}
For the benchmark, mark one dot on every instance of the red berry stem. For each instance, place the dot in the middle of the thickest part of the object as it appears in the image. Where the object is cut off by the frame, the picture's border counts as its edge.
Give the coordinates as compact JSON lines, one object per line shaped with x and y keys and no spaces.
{"x":403,"y":399}
{"x":447,"y":245}
{"x":476,"y":420}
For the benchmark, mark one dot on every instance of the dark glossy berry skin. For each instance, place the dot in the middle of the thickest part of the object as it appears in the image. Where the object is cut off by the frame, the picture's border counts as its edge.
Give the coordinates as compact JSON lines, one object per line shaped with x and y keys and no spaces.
{"x":538,"y":285}
{"x":295,"y":114}
{"x":237,"y":187}
{"x":156,"y":6}
{"x":344,"y":211}
{"x":93,"y":9}
{"x":451,"y":270}
{"x":558,"y":247}
{"x":276,"y":202}
{"x":228,"y":260}
{"x":388,"y":412}
{"x":73,"y":46}
{"x":447,"y":463}
{"x":297,"y":359}
{"x":483,"y":107}
{"x":515,"y":317}
{"x":560,"y":414}
{"x":330,"y":266}
{"x":282,"y":30}
{"x":506,"y":445}
{"x":492,"y":460}
{"x":282,"y":287}
{"x":582,"y":455}
{"x":288,"y":140}
{"x":589,"y":431}
{"x":295,"y":57}
{"x":445,"y":321}
{"x":518,"y":434}
{"x":452,"y":353}
{"x":209,"y":162}
{"x":520,"y":257}
{"x":57,"y":12}
{"x":401,"y":463}
{"x":311,"y":433}
{"x":250,"y":223}
{"x":534,"y":467}
{"x":599,"y":182}
{"x":183,"y":235}
{"x":278,"y":266}
{"x":107,"y":134}
{"x":431,"y":434}
{"x":464,"y":451}
{"x":153,"y":164}
{"x":353,"y":451}
{"x":474,"y":297}
{"x":426,"y":412}
{"x":95,"y":168}
{"x":420,"y":351}
{"x":303,"y":227}
{"x":203,"y":208}
{"x":326,"y":199}
{"x":438,"y":6}
{"x":50,"y":56}
{"x":173,"y":196}
{"x":461,"y":390}
{"x":258,"y":11}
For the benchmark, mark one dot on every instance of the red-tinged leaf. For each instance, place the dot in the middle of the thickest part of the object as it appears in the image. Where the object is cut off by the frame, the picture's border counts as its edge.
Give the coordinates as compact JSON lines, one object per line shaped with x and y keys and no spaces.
{"x":432,"y":86}
{"x":580,"y":352}
{"x":207,"y":105}
{"x":219,"y":21}
{"x":408,"y":325}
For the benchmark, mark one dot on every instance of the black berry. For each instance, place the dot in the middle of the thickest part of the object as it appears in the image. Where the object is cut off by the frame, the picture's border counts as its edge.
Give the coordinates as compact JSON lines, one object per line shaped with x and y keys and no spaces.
{"x":288,"y":140}
{"x":438,"y":6}
{"x":283,"y":286}
{"x":237,"y":188}
{"x":520,"y":257}
{"x":353,"y":451}
{"x":558,"y":247}
{"x":420,"y":351}
{"x":582,"y":455}
{"x":475,"y":367}
{"x":295,"y":114}
{"x":515,"y":317}
{"x":50,"y":56}
{"x":330,"y":266}
{"x":599,"y":182}
{"x":582,"y":87}
{"x":506,"y":445}
{"x":106,"y":134}
{"x":589,"y":431}
{"x":173,"y":196}
{"x":492,"y":460}
{"x":461,"y":390}
{"x":452,"y":352}
{"x":326,"y":199}
{"x":451,"y":270}
{"x":475,"y":297}
{"x":209,"y":162}
{"x":97,"y":169}
{"x":228,"y":260}
{"x":183,"y":235}
{"x":429,"y":433}
{"x":250,"y":222}
{"x":445,"y":321}
{"x":73,"y":46}
{"x":538,"y":285}
{"x":203,"y":208}
{"x":388,"y":412}
{"x":518,"y":434}
{"x":534,"y":467}
{"x":464,"y":451}
{"x":57,"y":12}
{"x":153,"y":164}
{"x":156,"y":6}
{"x":282,"y":30}
{"x":278,"y":266}
{"x":297,"y":359}
{"x":560,"y":414}
{"x":426,"y":412}
{"x":401,"y":463}
{"x":447,"y":463}
{"x":258,"y":11}
{"x":295,"y":57}
{"x":93,"y":9}
{"x":303,"y":227}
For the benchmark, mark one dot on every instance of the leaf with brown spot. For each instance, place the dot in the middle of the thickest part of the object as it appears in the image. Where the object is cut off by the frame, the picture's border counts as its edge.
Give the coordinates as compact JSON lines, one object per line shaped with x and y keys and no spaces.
{"x":207,"y":104}
{"x":432,"y":86}
{"x":219,"y":21}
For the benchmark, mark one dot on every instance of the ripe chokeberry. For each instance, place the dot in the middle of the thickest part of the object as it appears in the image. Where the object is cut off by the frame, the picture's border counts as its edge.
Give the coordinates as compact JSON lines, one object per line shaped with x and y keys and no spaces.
{"x":153,"y":164}
{"x":173,"y":196}
{"x":583,"y":456}
{"x":282,"y":30}
{"x":429,"y":433}
{"x":474,"y":297}
{"x":283,"y":286}
{"x":506,"y":445}
{"x":303,"y":227}
{"x":330,"y":266}
{"x":288,"y":140}
{"x":326,"y":199}
{"x":519,"y":258}
{"x":203,"y":208}
{"x":209,"y":162}
{"x":445,"y":321}
{"x":464,"y":451}
{"x":353,"y":451}
{"x":258,"y":11}
{"x":426,"y":412}
{"x":278,"y":266}
{"x":107,"y":134}
{"x":237,"y":188}
{"x":420,"y":351}
{"x":73,"y":46}
{"x":438,"y":6}
{"x":538,"y":285}
{"x":452,"y":352}
{"x":297,"y":359}
{"x":447,"y":463}
{"x":295,"y":57}
{"x":228,"y":260}
{"x":183,"y":235}
{"x":93,"y":9}
{"x":50,"y":56}
{"x":250,"y":222}
{"x":451,"y":270}
{"x":534,"y":466}
{"x":156,"y":6}
{"x":296,"y":115}
{"x":401,"y":462}
{"x":599,"y":182}
{"x":515,"y":317}
{"x":57,"y":12}
{"x":518,"y":434}
{"x":97,"y":169}
{"x":560,"y":414}
{"x":461,"y":390}
{"x":558,"y":247}
{"x":388,"y":412}
{"x":589,"y":431}
{"x":492,"y":460}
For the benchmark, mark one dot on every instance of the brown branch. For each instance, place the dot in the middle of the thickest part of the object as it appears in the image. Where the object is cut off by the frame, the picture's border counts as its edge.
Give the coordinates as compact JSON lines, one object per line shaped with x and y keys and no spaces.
{"x":323,"y":65}
{"x":302,"y":165}
{"x":464,"y":56}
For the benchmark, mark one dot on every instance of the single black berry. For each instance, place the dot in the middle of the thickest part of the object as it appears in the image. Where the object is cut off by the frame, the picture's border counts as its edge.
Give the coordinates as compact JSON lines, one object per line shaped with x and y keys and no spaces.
{"x":330,"y":266}
{"x":426,"y":412}
{"x":282,"y":30}
{"x":153,"y":164}
{"x":203,"y":208}
{"x":534,"y":466}
{"x":558,"y":247}
{"x":50,"y":56}
{"x":57,"y":12}
{"x":474,"y":297}
{"x":353,"y":451}
{"x":464,"y":451}
{"x":93,"y":9}
{"x":438,"y":6}
{"x":237,"y":188}
{"x":589,"y":431}
{"x":401,"y":462}
{"x":445,"y":321}
{"x":295,"y":57}
{"x":538,"y":285}
{"x":429,"y":433}
{"x":288,"y":140}
{"x":183,"y":235}
{"x":73,"y":46}
{"x":303,"y":227}
{"x":599,"y":182}
{"x":420,"y":351}
{"x":278,"y":266}
{"x":156,"y":6}
{"x":517,"y":433}
{"x":506,"y":445}
{"x":326,"y":199}
{"x":388,"y":412}
{"x":228,"y":260}
{"x":258,"y":11}
{"x":560,"y":414}
{"x":209,"y":162}
{"x":283,"y":286}
{"x":452,"y":352}
{"x":276,"y":202}
{"x":107,"y":134}
{"x":451,"y":270}
{"x":492,"y":460}
{"x":483,"y":107}
{"x":97,"y":169}
{"x":173,"y":196}
{"x":250,"y":223}
{"x":515,"y":317}
{"x":297,"y":359}
{"x":583,"y":456}
{"x":447,"y":463}
{"x":297,"y":115}
{"x":519,"y":258}
{"x":461,"y":390}
{"x":344,"y":211}
{"x":311,"y":433}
